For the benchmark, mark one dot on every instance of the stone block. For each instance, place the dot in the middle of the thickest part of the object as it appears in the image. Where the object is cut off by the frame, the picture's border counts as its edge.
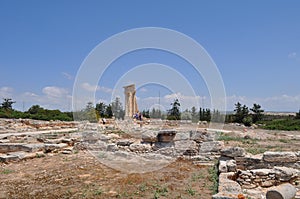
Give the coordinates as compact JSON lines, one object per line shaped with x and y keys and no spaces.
{"x":214,"y":146}
{"x":8,"y":158}
{"x":233,"y":152}
{"x":149,"y":136}
{"x":284,"y":157}
{"x":167,"y":135}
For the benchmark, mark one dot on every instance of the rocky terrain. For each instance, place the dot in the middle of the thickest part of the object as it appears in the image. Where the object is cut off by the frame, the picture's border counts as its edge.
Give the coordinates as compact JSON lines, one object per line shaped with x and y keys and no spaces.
{"x":153,"y":159}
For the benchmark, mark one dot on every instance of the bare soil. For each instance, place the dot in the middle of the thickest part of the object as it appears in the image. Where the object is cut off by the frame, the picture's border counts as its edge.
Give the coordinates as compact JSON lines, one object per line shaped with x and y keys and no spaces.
{"x":80,"y":175}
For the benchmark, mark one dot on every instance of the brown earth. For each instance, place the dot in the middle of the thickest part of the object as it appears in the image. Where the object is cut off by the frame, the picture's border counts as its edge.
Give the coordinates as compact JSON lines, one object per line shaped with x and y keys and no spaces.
{"x":80,"y":175}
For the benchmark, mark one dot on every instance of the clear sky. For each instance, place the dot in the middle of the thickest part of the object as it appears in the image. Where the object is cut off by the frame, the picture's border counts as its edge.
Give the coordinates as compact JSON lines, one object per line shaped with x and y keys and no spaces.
{"x":255,"y":45}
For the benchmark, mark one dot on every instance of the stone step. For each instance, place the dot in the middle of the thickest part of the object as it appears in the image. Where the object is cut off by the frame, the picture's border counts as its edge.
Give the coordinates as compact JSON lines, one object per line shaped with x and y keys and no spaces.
{"x":20,"y":155}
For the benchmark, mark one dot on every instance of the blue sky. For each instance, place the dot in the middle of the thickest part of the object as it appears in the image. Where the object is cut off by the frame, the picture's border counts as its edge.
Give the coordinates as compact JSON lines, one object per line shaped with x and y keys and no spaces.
{"x":255,"y":45}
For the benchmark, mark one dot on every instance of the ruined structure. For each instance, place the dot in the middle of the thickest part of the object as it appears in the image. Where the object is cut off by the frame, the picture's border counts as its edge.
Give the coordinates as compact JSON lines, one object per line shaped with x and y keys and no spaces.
{"x":130,"y":101}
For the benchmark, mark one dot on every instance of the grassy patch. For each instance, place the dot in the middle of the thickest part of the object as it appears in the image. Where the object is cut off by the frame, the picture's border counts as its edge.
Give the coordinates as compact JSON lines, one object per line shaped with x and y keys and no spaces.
{"x":282,"y":124}
{"x":6,"y":171}
{"x":256,"y":150}
{"x":214,"y":178}
{"x":191,"y":191}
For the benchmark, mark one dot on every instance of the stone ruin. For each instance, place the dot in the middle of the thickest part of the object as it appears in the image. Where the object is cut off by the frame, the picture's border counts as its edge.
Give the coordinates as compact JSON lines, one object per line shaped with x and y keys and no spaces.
{"x":130,"y":101}
{"x":268,"y":175}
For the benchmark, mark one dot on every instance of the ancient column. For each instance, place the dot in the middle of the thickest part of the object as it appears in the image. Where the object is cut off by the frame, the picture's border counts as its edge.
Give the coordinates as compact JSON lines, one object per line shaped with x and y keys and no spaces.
{"x":130,"y":101}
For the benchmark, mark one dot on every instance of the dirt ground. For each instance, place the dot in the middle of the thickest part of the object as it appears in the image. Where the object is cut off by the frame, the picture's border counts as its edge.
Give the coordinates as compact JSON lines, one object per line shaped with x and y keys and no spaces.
{"x":80,"y":175}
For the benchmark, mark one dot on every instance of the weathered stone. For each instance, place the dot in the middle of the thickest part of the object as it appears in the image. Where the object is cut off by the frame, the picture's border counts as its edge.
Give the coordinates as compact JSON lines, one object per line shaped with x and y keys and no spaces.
{"x":182,"y":136}
{"x":249,"y":186}
{"x":285,"y":173}
{"x":168,"y":151}
{"x":227,"y":187}
{"x":231,"y":165}
{"x":52,"y":147}
{"x":66,"y":152}
{"x":283,"y":191}
{"x":167,"y":135}
{"x":140,"y":147}
{"x":183,"y":145}
{"x":270,"y":156}
{"x":262,"y":172}
{"x":124,"y":142}
{"x":214,"y":146}
{"x":8,"y":158}
{"x":222,"y":166}
{"x":149,"y":136}
{"x":267,"y":183}
{"x":112,"y":147}
{"x":233,"y":152}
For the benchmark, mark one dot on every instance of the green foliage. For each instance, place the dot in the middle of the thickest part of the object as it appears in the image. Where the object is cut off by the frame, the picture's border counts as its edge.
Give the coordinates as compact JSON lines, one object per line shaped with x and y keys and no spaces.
{"x":191,"y":191}
{"x":146,"y":113}
{"x":241,"y":112}
{"x":6,"y":171}
{"x":247,"y":121}
{"x":174,"y":112}
{"x":214,"y":178}
{"x":257,"y":113}
{"x":7,"y":104}
{"x":204,"y":114}
{"x":256,"y":150}
{"x":287,"y":124}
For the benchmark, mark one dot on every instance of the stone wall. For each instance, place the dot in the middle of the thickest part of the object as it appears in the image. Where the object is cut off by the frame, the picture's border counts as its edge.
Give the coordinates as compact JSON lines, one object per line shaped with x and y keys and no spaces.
{"x":256,"y":171}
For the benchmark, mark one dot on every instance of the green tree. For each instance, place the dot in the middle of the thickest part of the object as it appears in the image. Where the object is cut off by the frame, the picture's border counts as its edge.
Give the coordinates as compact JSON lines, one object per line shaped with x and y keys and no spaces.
{"x":101,"y":109}
{"x":257,"y":113}
{"x":7,"y":104}
{"x":241,"y":112}
{"x":35,"y":109}
{"x":174,"y":112}
{"x":109,"y":112}
{"x":146,"y":113}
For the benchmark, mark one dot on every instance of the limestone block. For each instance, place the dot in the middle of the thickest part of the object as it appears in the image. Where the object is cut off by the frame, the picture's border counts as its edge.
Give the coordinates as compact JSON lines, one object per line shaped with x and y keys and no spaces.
{"x":285,"y":173}
{"x":182,"y":136}
{"x":8,"y":158}
{"x":167,"y":135}
{"x":124,"y":142}
{"x":222,"y":166}
{"x":112,"y":147}
{"x":183,"y":145}
{"x":283,"y":191}
{"x":268,"y":183}
{"x":233,"y":152}
{"x":149,"y":136}
{"x":214,"y":146}
{"x":139,"y":147}
{"x":262,"y":172}
{"x":231,"y":165}
{"x":284,"y":157}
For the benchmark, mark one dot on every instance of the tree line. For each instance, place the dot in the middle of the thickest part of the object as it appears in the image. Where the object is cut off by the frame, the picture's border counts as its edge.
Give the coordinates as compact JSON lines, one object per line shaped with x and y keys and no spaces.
{"x":241,"y":114}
